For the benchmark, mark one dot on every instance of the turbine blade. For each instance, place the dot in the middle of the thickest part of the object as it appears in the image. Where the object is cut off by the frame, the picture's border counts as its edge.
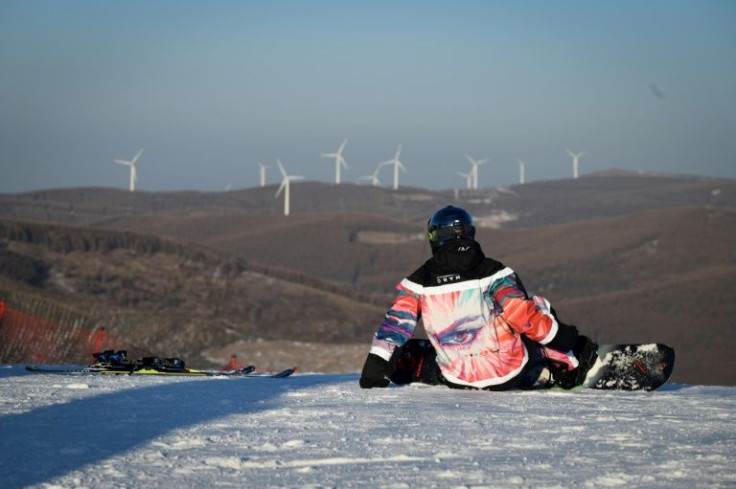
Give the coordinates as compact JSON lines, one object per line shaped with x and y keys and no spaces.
{"x":343,"y":162}
{"x":281,"y":187}
{"x":137,"y":155}
{"x":342,"y":146}
{"x":281,"y":167}
{"x":122,"y":162}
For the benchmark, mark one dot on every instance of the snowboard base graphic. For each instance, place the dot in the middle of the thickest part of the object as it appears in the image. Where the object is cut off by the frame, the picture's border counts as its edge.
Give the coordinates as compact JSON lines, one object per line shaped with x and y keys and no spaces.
{"x":631,"y":367}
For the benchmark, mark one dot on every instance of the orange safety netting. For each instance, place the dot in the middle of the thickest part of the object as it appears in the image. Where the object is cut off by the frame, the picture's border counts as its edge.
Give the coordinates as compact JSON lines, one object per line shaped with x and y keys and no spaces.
{"x":234,"y":363}
{"x":30,"y":338}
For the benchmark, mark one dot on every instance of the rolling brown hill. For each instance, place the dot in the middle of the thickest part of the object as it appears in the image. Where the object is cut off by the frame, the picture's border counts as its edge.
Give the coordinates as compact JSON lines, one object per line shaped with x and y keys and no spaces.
{"x":627,"y":257}
{"x":605,"y":194}
{"x":173,"y":298}
{"x":663,"y":276}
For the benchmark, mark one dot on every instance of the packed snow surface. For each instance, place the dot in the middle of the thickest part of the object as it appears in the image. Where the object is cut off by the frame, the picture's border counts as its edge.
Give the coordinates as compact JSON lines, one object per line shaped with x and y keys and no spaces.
{"x":314,"y":430}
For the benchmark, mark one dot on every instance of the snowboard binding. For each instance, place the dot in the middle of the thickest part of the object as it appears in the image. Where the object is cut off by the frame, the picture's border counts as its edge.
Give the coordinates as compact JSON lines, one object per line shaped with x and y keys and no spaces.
{"x":118,"y":360}
{"x":161,"y":364}
{"x":112,"y":359}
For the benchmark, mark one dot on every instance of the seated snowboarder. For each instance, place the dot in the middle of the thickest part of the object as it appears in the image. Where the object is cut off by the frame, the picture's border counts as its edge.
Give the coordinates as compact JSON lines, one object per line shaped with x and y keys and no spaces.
{"x":484,"y":330}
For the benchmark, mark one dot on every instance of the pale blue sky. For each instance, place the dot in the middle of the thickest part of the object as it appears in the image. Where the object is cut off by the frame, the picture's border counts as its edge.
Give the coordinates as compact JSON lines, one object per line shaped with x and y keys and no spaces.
{"x":211,"y":88}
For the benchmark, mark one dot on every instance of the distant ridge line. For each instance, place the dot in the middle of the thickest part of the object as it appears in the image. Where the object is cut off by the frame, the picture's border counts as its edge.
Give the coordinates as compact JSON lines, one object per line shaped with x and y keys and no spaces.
{"x":62,"y":238}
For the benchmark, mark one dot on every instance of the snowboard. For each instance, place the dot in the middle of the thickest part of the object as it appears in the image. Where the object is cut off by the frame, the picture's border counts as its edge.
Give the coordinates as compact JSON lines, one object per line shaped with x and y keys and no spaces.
{"x":624,"y":367}
{"x":631,"y":367}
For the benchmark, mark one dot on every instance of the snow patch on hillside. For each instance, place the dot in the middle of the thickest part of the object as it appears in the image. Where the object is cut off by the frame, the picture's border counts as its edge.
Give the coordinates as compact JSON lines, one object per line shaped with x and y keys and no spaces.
{"x":496,"y":219}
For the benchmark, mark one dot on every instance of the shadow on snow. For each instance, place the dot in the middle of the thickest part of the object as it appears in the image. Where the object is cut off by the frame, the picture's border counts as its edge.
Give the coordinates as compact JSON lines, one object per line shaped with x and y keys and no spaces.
{"x":51,"y":441}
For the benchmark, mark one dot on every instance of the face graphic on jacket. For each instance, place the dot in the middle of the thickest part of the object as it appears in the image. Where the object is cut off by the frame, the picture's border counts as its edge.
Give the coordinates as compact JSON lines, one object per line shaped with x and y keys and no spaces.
{"x":471,"y":340}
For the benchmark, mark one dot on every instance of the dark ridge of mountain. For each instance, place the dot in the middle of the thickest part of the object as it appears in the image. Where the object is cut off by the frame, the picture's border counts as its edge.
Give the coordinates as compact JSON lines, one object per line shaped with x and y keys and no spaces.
{"x":65,"y":239}
{"x":174,"y":298}
{"x":345,"y":247}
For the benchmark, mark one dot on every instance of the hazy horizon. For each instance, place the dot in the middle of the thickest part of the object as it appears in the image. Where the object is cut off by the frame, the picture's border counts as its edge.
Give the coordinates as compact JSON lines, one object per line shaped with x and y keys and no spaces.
{"x":211,"y":89}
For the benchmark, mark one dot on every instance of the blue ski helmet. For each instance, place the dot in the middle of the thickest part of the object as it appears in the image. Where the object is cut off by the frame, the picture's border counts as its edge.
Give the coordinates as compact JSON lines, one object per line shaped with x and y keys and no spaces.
{"x":448,"y":224}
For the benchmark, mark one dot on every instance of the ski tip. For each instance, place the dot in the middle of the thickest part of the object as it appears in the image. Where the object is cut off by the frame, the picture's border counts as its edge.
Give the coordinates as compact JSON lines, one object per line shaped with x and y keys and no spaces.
{"x":284,"y":373}
{"x":290,"y":371}
{"x":274,"y":375}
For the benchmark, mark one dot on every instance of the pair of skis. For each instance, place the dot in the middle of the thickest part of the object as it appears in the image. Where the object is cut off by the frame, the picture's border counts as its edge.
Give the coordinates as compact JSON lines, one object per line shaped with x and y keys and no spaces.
{"x":247,"y":372}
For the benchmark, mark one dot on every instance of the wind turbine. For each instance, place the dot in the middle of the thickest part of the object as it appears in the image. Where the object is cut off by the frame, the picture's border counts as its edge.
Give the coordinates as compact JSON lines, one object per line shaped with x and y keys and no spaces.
{"x":339,"y":160}
{"x":262,"y":169}
{"x":474,"y":170}
{"x":397,"y":164}
{"x":468,"y":178}
{"x":374,"y":176}
{"x":522,"y":171}
{"x":131,"y":164}
{"x":285,"y":186}
{"x":575,"y":157}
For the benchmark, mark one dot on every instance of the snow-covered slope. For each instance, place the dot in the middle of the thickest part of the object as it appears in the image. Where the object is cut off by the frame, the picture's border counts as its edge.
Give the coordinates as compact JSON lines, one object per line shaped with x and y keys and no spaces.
{"x":324,"y":431}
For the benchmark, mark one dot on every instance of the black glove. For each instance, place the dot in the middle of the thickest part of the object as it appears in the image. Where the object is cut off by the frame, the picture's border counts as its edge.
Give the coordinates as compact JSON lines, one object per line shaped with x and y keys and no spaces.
{"x":586,"y":352}
{"x":565,"y":338}
{"x":374,"y":372}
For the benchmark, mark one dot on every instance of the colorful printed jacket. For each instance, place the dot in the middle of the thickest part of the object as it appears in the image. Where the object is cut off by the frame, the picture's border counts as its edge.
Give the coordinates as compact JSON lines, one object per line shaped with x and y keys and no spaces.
{"x":475,"y":319}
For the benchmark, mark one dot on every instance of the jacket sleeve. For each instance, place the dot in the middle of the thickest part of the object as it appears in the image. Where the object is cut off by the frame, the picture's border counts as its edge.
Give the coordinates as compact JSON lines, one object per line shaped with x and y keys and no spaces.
{"x":531,"y":317}
{"x":399,"y":322}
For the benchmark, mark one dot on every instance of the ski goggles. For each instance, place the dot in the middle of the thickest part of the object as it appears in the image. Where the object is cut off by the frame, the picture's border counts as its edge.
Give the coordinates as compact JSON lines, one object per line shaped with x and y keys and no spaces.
{"x":443,"y":235}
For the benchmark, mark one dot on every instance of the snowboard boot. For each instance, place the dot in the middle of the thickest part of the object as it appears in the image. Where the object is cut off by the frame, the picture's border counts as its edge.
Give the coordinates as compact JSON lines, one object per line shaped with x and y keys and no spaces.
{"x":115,"y":360}
{"x":154,"y":363}
{"x":174,"y":365}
